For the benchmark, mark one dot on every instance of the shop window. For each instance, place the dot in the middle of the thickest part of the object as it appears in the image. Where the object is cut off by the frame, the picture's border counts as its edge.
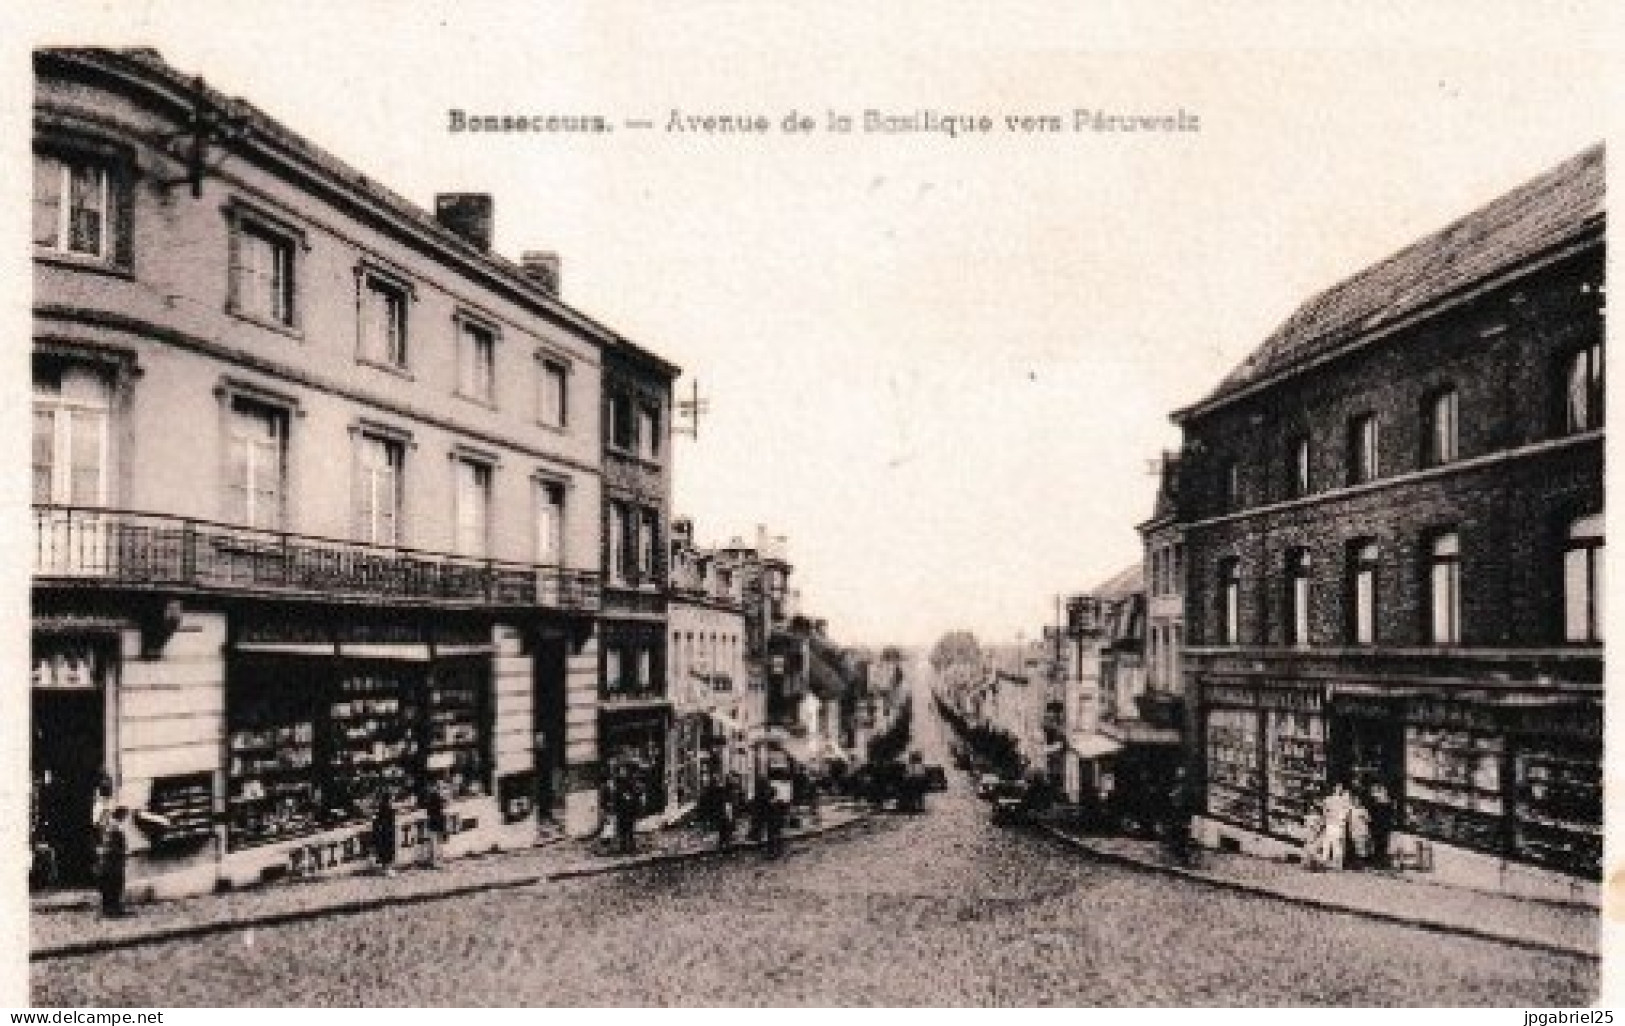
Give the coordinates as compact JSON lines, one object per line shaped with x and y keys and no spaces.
{"x":1296,"y":742}
{"x":1235,"y":779}
{"x":1364,"y":593}
{"x":1440,"y":428}
{"x":1363,"y":462}
{"x":378,"y":489}
{"x":472,"y":499}
{"x":476,"y":360}
{"x":1298,"y":467}
{"x":81,"y":205}
{"x":1583,"y":589}
{"x":72,"y":405}
{"x":553,"y":400}
{"x":1229,"y":602}
{"x":1444,"y":590}
{"x":383,"y":321}
{"x":312,"y":747}
{"x":256,"y":463}
{"x":1299,"y":574}
{"x":1583,"y":389}
{"x":1453,"y":785}
{"x":1558,"y":804}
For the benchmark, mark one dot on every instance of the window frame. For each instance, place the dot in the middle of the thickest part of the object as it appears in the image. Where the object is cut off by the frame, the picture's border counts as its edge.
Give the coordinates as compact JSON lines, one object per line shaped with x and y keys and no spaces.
{"x":66,"y":415}
{"x":281,"y":418}
{"x":1585,"y":536}
{"x":1365,"y":558}
{"x":551,"y":367}
{"x":1364,"y":452}
{"x":366,"y":515}
{"x":547,"y":488}
{"x":371,"y":278}
{"x":1299,"y":580}
{"x":1229,"y":596}
{"x":1587,"y":366}
{"x":1298,"y":468}
{"x":247,"y":220}
{"x":1441,"y":431}
{"x":482,"y":334}
{"x":1444,"y":623}
{"x":479,"y":463}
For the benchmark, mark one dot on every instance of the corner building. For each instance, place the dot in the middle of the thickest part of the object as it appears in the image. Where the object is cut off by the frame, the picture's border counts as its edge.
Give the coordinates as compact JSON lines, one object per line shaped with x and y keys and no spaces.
{"x":316,"y":495}
{"x":1393,"y":523}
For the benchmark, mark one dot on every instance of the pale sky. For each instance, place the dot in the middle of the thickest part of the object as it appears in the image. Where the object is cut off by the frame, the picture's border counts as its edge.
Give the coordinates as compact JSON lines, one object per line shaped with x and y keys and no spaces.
{"x":940,"y":366}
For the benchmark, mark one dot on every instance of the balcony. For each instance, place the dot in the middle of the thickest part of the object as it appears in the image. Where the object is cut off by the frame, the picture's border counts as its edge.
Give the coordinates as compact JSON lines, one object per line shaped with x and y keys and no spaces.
{"x":83,"y":547}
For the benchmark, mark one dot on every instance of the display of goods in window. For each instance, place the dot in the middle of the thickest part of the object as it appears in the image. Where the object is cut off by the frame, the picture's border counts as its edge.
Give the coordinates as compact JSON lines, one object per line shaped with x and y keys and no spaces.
{"x":1297,"y":769}
{"x":181,"y":809}
{"x":1558,"y":806}
{"x":1234,"y":777}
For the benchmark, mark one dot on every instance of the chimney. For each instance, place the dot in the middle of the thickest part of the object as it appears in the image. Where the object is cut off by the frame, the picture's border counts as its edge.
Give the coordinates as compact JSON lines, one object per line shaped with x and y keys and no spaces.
{"x":544,"y":268}
{"x":468,"y":215}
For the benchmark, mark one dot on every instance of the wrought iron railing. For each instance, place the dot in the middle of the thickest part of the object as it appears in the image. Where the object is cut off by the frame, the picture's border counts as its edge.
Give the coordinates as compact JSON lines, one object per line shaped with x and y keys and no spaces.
{"x":158,"y":550}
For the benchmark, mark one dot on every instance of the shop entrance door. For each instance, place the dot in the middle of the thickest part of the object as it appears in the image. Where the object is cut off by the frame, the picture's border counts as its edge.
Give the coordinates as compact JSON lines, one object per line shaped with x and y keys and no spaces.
{"x":550,"y":682}
{"x":1365,"y":750}
{"x":67,"y":762}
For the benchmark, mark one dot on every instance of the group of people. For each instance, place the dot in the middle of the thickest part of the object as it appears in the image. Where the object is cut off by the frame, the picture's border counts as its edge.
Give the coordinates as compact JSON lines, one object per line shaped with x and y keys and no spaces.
{"x":1349,"y":828}
{"x":723,"y":803}
{"x":386,"y":824}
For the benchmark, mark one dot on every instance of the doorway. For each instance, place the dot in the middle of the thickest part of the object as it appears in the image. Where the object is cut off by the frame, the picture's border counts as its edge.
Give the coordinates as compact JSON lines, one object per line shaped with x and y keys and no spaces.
{"x":67,"y":759}
{"x":550,"y":682}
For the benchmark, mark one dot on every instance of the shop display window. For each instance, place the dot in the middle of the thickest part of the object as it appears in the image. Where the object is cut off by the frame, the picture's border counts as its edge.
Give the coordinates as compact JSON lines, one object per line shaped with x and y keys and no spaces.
{"x":1558,"y":805}
{"x":1454,"y":786}
{"x":312,"y":745}
{"x":1234,"y":776}
{"x":1297,"y":769}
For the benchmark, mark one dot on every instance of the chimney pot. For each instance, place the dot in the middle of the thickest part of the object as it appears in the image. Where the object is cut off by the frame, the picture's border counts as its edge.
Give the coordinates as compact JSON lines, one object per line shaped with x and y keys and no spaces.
{"x":467,"y":214}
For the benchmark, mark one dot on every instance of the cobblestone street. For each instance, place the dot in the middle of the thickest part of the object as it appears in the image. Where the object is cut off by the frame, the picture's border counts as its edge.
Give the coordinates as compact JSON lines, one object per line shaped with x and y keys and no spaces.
{"x":940,"y":909}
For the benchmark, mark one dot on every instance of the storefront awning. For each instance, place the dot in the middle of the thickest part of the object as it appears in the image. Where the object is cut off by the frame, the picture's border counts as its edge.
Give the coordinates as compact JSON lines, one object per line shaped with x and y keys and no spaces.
{"x":1092,"y":746}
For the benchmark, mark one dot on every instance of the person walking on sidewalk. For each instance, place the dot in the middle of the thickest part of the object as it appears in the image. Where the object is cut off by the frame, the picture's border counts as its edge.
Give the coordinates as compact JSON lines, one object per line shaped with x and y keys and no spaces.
{"x":1382,"y":823}
{"x":383,"y":832}
{"x":434,"y":823}
{"x":1335,"y":836}
{"x":624,"y":798}
{"x":115,"y":850}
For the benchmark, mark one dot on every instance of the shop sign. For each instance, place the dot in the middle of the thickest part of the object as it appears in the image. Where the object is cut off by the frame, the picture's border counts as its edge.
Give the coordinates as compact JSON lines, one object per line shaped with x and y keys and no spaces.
{"x":1229,"y":694}
{"x":322,"y":856}
{"x":1574,"y":721}
{"x":1365,"y":707}
{"x":1295,"y":699}
{"x":1459,"y":715}
{"x":284,"y":632}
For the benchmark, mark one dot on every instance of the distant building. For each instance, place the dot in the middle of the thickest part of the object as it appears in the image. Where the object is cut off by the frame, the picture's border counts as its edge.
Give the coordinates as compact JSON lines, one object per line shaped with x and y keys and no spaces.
{"x":1393,"y":523}
{"x":713,"y":704}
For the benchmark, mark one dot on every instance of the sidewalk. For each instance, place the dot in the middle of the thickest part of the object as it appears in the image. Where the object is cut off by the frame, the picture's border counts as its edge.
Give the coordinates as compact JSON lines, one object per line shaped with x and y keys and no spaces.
{"x":1377,"y":894}
{"x":58,"y":929}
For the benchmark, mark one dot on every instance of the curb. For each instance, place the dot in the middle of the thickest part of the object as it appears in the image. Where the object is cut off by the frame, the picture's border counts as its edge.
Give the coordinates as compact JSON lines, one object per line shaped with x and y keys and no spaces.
{"x":1258,"y":890}
{"x":192,"y":931}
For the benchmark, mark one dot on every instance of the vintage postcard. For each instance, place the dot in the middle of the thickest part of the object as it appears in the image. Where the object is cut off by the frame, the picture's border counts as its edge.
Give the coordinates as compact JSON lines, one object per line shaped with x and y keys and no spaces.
{"x":771,"y":505}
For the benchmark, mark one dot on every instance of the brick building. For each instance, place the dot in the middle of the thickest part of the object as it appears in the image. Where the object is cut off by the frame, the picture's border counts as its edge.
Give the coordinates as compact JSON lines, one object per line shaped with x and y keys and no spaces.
{"x":316,"y":493}
{"x":1392,"y":518}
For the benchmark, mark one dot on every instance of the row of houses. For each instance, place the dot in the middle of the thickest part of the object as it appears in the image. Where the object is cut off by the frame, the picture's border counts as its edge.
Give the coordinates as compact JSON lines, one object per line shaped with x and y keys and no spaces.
{"x":333,"y":502}
{"x":1377,"y":557}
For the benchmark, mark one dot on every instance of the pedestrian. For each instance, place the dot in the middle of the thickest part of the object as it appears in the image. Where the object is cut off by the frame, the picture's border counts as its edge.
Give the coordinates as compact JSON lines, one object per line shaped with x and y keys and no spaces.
{"x":383,"y":833}
{"x":761,"y":801}
{"x":625,"y":797}
{"x":781,"y":793}
{"x":115,"y":850}
{"x":1382,"y":823}
{"x":1177,"y":819}
{"x":1314,"y":829}
{"x":723,"y":810}
{"x":1334,"y":838}
{"x":434,"y":824}
{"x":1359,"y":832}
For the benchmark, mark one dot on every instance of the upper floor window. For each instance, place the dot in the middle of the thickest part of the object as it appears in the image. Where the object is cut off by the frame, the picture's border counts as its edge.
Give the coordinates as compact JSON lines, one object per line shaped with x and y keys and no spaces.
{"x":1297,"y":467}
{"x":1363,"y":464}
{"x":472,"y":502}
{"x":256,"y":463}
{"x":1230,"y":484}
{"x":1439,"y":428}
{"x":1444,"y":589}
{"x":649,"y":432}
{"x":622,"y":425}
{"x":1176,"y":581}
{"x":1365,"y":593}
{"x":378,"y":499}
{"x":383,"y":307}
{"x":622,"y":541}
{"x":76,"y":205}
{"x":550,"y":523}
{"x":648,"y":542}
{"x":553,"y":400}
{"x":1229,"y":602}
{"x":476,"y":360}
{"x":1583,"y":392}
{"x":71,"y":408}
{"x":1298,"y":571}
{"x":1583,"y":590}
